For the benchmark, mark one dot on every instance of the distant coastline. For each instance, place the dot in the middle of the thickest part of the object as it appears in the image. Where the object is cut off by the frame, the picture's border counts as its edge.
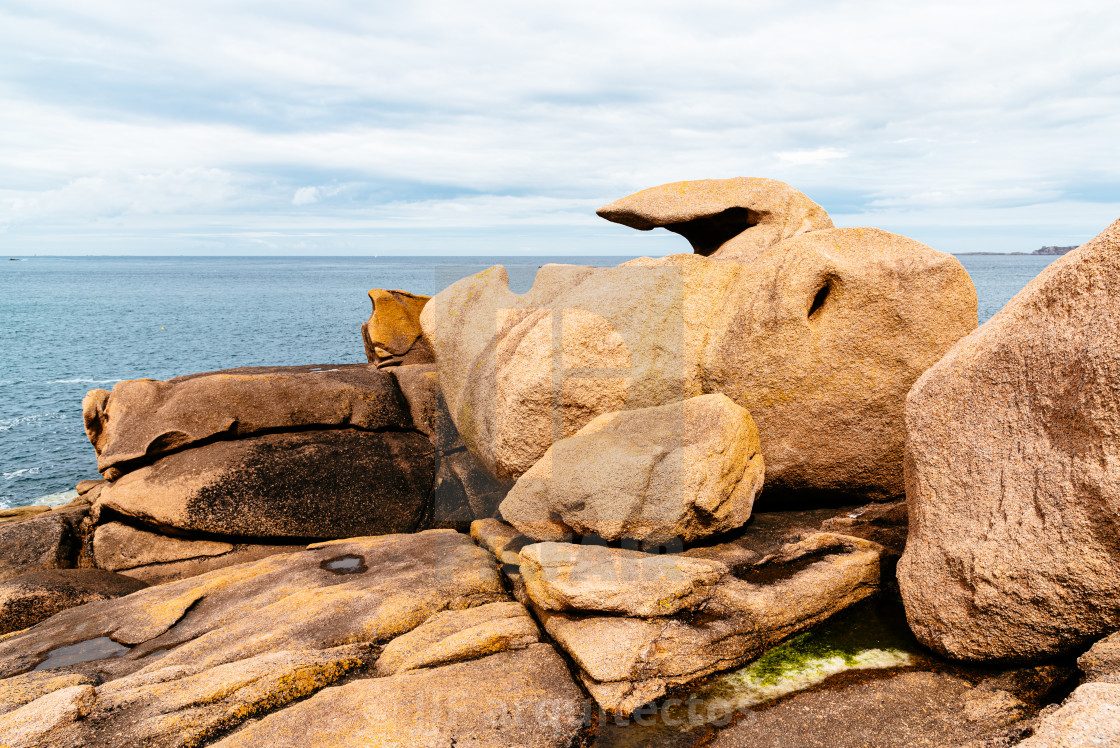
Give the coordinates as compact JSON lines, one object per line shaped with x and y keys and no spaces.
{"x":1042,"y":251}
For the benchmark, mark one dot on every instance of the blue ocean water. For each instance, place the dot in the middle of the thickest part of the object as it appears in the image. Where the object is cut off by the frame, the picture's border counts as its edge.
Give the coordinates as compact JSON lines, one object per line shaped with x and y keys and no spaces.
{"x":71,"y":324}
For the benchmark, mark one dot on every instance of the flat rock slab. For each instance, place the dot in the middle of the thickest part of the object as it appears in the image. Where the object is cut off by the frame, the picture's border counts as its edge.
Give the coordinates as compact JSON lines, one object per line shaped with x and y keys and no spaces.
{"x":38,"y":595}
{"x":626,"y":662}
{"x":197,"y":657}
{"x":523,"y":698}
{"x":143,"y":419}
{"x":885,"y":710}
{"x":322,"y":484}
{"x":564,"y":576}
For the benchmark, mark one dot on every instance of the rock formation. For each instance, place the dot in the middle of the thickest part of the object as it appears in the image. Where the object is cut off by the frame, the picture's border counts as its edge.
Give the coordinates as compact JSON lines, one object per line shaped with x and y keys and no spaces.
{"x":724,"y":218}
{"x":685,"y":470}
{"x":820,"y":334}
{"x":640,"y":625}
{"x":1013,"y":465}
{"x":392,"y":335}
{"x":140,"y":670}
{"x":144,"y":419}
{"x":327,"y":484}
{"x":38,"y":595}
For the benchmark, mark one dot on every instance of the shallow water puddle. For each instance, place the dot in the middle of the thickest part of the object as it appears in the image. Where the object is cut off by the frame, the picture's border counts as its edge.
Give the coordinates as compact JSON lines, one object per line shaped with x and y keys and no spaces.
{"x":349,"y":564}
{"x":87,"y":651}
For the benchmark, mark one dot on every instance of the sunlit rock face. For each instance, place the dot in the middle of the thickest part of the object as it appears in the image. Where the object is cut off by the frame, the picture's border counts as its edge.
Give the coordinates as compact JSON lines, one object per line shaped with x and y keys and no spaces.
{"x":818,"y":335}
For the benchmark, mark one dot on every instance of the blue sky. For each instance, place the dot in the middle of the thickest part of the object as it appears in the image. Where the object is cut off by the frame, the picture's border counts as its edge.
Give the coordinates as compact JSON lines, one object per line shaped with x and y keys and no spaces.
{"x":339,"y":127}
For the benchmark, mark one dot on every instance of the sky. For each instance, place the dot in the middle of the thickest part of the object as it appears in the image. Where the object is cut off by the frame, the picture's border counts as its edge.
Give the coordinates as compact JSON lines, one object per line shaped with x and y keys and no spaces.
{"x":497,"y":128}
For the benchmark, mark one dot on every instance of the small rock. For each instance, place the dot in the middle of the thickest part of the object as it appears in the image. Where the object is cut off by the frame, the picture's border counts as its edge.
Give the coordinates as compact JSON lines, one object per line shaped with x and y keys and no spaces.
{"x":45,"y":540}
{"x":458,"y":635}
{"x":392,"y":335}
{"x":36,"y":596}
{"x":1089,"y":717}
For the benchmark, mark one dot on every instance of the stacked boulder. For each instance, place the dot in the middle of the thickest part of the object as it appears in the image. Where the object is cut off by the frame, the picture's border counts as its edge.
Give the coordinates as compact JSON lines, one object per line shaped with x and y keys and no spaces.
{"x":648,"y":405}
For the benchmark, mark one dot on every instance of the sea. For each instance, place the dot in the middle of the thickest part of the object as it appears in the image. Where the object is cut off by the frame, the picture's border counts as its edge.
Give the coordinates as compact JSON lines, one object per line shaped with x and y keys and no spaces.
{"x":72,"y":324}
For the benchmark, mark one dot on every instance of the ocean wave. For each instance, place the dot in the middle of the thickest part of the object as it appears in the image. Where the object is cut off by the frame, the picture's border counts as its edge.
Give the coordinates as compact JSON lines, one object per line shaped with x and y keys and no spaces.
{"x":7,"y":424}
{"x":21,"y":471}
{"x":84,"y":381}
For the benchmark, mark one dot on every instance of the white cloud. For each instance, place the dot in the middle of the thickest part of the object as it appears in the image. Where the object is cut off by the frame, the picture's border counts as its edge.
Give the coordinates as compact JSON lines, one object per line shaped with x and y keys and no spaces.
{"x":439,"y":115}
{"x":306,"y":196}
{"x":813,"y":157}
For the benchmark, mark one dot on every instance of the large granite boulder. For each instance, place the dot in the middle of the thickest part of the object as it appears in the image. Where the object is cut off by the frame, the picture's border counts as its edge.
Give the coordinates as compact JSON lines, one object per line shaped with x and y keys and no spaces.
{"x":319,"y":484}
{"x":143,"y":419}
{"x":1013,"y":469}
{"x":392,"y":334}
{"x":725,"y":218}
{"x":819,"y":336}
{"x":185,"y":663}
{"x":38,"y":595}
{"x":685,"y":471}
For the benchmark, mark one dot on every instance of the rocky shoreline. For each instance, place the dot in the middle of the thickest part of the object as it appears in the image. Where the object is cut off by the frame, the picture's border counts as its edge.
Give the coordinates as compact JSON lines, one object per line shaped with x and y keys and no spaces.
{"x":780,"y":491}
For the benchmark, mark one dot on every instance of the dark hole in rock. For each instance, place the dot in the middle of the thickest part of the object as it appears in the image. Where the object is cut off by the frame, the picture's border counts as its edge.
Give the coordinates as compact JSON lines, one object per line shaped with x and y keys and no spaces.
{"x":819,"y":299}
{"x":511,"y":569}
{"x":780,"y":571}
{"x":709,"y":233}
{"x":87,"y":651}
{"x":348,"y":564}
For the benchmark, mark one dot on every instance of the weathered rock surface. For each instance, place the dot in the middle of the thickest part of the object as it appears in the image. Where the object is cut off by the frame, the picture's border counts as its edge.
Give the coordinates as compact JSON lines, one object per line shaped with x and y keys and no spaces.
{"x":203,"y":655}
{"x":325,"y":484}
{"x":1090,"y":717}
{"x":38,"y":595}
{"x":157,"y":558}
{"x":684,"y":470}
{"x":626,"y":661}
{"x":463,"y":490}
{"x":46,"y":540}
{"x":882,"y":709}
{"x":723,"y":218}
{"x":392,"y":334}
{"x":1013,"y":464}
{"x":143,"y":419}
{"x":564,"y":576}
{"x":458,"y":635}
{"x":1102,"y":661}
{"x":21,"y":512}
{"x":524,"y":698}
{"x":823,"y":333}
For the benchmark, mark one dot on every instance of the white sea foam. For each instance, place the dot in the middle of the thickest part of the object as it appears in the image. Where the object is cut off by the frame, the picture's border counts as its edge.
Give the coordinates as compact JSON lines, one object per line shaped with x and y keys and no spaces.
{"x":19,"y":472}
{"x":55,"y":499}
{"x":84,"y":381}
{"x":7,"y":424}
